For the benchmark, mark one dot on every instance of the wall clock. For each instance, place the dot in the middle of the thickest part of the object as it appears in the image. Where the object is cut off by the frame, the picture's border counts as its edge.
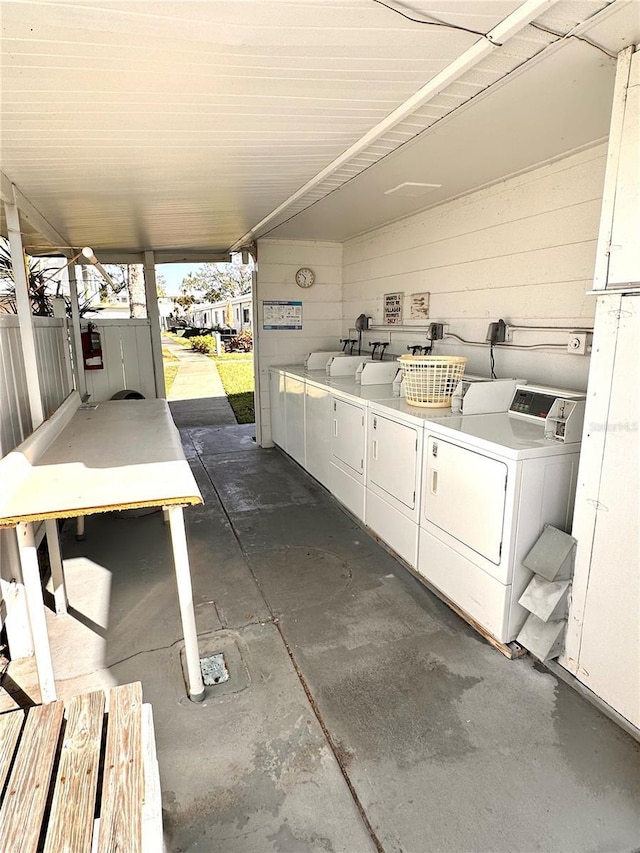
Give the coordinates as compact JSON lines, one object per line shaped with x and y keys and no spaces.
{"x":305,"y":277}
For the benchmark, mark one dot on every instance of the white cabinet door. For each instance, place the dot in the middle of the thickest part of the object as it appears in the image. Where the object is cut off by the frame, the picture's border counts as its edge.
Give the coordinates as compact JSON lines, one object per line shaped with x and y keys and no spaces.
{"x":347,"y":434}
{"x":393,"y":458}
{"x":276,"y":402}
{"x":464,"y":495}
{"x":318,"y":432}
{"x":294,"y":425}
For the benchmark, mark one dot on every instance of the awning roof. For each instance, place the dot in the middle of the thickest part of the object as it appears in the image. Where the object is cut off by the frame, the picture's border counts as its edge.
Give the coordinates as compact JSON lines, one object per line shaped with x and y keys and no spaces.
{"x":181,"y":126}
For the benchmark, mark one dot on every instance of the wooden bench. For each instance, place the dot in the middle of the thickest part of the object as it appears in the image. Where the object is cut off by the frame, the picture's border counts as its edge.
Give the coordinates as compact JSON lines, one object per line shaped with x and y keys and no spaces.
{"x":74,"y":778}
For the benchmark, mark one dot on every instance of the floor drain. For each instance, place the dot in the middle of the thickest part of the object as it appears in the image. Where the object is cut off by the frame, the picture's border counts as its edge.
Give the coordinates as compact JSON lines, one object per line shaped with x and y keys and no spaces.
{"x":214,"y":670}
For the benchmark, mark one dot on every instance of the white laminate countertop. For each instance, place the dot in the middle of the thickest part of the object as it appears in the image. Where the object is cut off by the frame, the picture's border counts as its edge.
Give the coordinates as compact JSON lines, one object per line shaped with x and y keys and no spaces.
{"x":120,"y":454}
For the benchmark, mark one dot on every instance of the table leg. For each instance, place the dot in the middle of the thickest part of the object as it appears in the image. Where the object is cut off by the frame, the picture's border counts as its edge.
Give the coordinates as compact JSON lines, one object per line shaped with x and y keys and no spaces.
{"x":57,"y":568}
{"x":35,"y":607}
{"x":80,"y":528}
{"x":185,"y":599}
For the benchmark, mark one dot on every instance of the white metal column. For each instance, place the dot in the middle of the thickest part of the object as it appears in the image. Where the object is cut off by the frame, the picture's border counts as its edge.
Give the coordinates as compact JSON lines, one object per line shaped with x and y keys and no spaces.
{"x":76,"y":339}
{"x":23,"y":301}
{"x":153,"y":315}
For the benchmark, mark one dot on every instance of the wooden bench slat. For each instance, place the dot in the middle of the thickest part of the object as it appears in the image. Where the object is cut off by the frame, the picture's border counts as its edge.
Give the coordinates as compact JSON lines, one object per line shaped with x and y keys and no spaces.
{"x":10,"y":725}
{"x":70,"y":827}
{"x":26,"y":797}
{"x":123,"y":780}
{"x":152,"y":808}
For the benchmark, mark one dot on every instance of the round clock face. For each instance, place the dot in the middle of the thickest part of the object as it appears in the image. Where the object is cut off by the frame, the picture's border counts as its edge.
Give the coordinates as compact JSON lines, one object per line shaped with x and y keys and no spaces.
{"x":305,"y":277}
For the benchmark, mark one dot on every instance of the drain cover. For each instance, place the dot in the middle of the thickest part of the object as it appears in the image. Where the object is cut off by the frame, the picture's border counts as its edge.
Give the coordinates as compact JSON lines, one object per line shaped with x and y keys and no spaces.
{"x":214,"y":670}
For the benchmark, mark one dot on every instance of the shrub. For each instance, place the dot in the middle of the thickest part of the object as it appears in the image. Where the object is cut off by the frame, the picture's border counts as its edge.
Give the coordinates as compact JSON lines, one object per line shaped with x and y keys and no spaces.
{"x":204,"y":344}
{"x":240,"y":343}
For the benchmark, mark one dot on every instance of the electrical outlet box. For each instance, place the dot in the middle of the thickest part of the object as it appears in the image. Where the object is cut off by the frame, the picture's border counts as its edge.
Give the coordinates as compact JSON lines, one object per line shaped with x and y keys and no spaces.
{"x":497,"y":332}
{"x":578,"y":343}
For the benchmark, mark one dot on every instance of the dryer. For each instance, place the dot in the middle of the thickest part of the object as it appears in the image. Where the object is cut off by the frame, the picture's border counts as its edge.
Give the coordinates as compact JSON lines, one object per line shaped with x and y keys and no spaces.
{"x":490,"y":484}
{"x":394,"y":460}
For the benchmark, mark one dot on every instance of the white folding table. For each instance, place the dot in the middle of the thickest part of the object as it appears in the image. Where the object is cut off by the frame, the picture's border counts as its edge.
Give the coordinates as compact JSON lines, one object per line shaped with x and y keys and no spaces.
{"x":116,"y":455}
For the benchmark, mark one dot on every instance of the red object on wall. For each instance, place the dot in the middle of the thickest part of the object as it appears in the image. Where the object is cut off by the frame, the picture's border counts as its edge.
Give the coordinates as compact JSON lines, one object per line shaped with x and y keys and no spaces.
{"x":92,"y":349}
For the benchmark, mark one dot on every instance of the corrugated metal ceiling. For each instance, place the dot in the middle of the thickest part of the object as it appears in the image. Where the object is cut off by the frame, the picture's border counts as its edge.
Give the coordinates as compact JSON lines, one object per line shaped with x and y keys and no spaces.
{"x":180,"y":125}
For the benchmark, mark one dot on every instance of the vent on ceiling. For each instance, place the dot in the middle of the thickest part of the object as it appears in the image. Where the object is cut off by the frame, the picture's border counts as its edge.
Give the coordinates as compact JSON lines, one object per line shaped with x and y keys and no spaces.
{"x":412,"y":188}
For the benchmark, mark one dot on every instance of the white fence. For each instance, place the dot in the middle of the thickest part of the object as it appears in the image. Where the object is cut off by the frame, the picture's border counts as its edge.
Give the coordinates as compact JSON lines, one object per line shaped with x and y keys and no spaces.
{"x":54,"y":370}
{"x":127,"y":357}
{"x":128,"y":364}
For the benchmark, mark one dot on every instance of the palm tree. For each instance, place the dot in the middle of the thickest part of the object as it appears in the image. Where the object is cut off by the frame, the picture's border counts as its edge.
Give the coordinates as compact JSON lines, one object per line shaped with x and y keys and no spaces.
{"x":37,"y":277}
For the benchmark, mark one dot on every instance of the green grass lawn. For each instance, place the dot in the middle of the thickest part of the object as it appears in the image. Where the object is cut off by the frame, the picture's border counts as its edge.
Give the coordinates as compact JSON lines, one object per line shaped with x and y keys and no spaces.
{"x":178,"y":339}
{"x":171,"y":365}
{"x":236,"y":373}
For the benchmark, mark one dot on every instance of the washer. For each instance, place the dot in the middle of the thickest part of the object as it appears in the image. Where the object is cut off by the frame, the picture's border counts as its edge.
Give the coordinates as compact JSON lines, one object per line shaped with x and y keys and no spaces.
{"x":489,"y":485}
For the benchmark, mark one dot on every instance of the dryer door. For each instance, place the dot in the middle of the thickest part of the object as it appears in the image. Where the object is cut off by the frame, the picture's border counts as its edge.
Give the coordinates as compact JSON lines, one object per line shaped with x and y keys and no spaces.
{"x":347,"y":434}
{"x":393,"y":458}
{"x":464,"y":495}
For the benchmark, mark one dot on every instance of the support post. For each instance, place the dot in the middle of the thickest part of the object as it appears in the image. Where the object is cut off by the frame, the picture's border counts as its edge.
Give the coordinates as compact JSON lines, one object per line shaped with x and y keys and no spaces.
{"x":185,"y":600}
{"x":16,"y":620}
{"x":76,"y":340}
{"x":23,"y":301}
{"x":153,"y":315}
{"x":35,"y":606}
{"x":80,"y":528}
{"x":57,"y":568}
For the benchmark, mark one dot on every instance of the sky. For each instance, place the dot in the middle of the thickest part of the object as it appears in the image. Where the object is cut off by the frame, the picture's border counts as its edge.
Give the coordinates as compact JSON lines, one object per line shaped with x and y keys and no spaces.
{"x":173,"y":275}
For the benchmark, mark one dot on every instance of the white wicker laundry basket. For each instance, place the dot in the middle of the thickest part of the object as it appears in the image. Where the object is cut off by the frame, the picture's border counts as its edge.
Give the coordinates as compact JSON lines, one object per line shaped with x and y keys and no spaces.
{"x":430,"y":380}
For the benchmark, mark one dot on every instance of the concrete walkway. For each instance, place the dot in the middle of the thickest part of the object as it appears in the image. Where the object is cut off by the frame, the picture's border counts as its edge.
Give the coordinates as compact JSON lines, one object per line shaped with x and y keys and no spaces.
{"x":197,"y":395}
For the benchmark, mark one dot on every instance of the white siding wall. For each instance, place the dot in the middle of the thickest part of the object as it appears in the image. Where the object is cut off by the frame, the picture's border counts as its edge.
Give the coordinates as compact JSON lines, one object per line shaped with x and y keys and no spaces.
{"x":522,"y":250}
{"x":278,"y":261}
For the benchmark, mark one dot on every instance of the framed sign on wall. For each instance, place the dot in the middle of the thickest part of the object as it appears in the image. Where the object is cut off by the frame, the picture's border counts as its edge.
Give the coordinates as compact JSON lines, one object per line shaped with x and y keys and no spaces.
{"x":392,"y":310}
{"x":419,"y":307}
{"x":281,"y":314}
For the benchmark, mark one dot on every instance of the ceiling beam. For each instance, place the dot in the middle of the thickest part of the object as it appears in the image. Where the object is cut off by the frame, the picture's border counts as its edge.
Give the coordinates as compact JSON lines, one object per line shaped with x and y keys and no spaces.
{"x":494,"y":39}
{"x":162,"y":256}
{"x":11,"y":194}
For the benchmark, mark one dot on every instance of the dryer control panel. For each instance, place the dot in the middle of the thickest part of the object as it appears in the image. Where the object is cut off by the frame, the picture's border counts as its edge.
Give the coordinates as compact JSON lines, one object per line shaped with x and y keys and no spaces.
{"x":561,"y":412}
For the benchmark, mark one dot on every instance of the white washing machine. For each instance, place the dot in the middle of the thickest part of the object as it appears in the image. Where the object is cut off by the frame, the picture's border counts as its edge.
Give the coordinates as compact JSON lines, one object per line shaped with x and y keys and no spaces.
{"x":489,"y":485}
{"x":394,"y":459}
{"x":349,"y":403}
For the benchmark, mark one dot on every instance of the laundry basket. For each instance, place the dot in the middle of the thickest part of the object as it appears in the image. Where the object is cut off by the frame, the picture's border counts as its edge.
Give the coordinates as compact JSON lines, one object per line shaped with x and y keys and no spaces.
{"x":430,"y":380}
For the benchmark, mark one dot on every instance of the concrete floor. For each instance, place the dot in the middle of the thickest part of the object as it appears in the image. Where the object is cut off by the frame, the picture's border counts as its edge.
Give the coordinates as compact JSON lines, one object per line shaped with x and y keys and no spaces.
{"x":360,"y":715}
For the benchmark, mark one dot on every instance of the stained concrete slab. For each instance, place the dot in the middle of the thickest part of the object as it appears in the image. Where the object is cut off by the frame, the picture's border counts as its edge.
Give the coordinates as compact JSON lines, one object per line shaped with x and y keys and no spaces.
{"x":444,"y":738}
{"x":250,"y":482}
{"x":202,"y":412}
{"x":223,"y":440}
{"x":249,"y":769}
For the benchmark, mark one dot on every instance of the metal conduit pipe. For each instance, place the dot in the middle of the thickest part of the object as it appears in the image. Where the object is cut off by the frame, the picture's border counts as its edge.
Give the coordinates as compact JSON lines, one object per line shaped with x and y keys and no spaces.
{"x":506,"y":346}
